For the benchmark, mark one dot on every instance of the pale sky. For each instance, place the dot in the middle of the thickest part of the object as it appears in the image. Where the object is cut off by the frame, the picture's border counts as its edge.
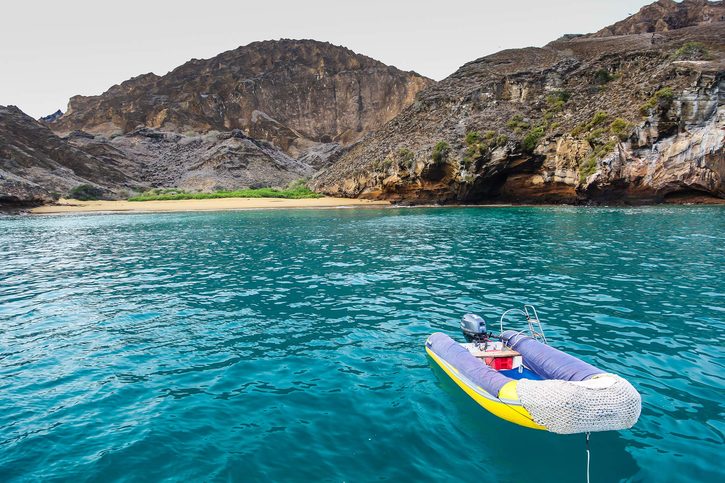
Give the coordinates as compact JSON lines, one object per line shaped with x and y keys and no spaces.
{"x":54,"y":49}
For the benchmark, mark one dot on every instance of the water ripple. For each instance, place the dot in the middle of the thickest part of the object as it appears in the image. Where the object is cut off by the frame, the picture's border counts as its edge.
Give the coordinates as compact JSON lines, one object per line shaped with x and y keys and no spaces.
{"x":287,"y":345}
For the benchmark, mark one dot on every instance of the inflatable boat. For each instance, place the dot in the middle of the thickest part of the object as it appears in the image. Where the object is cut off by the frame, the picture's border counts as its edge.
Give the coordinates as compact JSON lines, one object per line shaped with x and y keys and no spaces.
{"x":518,"y":377}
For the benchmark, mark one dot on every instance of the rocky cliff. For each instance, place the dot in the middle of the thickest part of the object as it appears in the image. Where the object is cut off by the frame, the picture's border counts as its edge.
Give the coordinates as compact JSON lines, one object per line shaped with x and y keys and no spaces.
{"x":295,"y":94}
{"x":604,"y":116}
{"x":262,"y":115}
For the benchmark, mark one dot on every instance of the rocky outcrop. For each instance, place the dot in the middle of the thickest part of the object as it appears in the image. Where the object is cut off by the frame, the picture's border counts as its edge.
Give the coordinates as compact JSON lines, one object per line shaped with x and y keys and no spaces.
{"x":584,"y":119}
{"x":666,"y":15}
{"x":295,"y":94}
{"x":52,"y":117}
{"x":36,"y":166}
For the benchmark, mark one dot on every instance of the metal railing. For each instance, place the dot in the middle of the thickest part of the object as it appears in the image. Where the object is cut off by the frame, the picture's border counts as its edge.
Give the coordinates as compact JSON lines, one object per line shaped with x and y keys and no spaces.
{"x":532,"y":319}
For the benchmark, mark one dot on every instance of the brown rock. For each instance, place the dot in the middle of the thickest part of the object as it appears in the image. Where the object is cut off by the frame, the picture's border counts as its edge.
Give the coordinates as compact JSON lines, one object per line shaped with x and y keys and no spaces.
{"x":292,"y":93}
{"x":666,"y":15}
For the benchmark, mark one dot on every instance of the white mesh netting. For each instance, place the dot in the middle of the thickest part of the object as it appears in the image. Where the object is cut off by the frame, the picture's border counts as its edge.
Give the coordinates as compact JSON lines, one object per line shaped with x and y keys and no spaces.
{"x":605,"y":402}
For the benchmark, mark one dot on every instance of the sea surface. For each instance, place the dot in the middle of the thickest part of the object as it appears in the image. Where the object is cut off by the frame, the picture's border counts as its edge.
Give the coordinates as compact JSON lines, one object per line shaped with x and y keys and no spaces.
{"x":289,"y":345}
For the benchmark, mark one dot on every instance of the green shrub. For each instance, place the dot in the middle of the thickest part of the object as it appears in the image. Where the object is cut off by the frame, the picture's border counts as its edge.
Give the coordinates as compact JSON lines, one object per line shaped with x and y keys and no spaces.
{"x":472,"y":138}
{"x":532,"y":138}
{"x":478,"y":145}
{"x":382,"y":164}
{"x":406,"y":158}
{"x":86,"y":192}
{"x":501,"y":140}
{"x":692,"y":51}
{"x":605,"y":149}
{"x":587,"y":167}
{"x":598,"y":118}
{"x":599,"y":151}
{"x":297,"y":184}
{"x":517,"y":123}
{"x":162,"y":191}
{"x":555,"y":101}
{"x":602,"y":76}
{"x":577,"y":130}
{"x":620,"y":128}
{"x":594,"y":136}
{"x":661,"y":99}
{"x":557,"y":106}
{"x":441,"y":152}
{"x":472,"y":152}
{"x":558,"y":96}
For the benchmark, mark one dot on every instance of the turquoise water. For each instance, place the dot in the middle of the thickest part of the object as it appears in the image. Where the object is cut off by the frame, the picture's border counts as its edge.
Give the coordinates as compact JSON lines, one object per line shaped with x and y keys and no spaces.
{"x":288,"y":345}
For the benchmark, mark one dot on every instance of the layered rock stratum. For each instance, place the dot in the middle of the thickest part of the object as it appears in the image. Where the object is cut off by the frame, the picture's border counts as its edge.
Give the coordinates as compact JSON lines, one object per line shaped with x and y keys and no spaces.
{"x":633,"y":112}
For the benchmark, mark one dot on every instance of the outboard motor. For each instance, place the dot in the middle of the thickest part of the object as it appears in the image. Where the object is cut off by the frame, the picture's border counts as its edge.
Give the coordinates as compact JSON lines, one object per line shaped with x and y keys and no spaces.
{"x":474,"y":328}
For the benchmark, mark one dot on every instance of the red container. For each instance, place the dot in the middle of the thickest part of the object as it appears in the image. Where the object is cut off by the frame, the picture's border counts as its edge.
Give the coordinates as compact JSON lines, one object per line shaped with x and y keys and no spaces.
{"x":500,"y":363}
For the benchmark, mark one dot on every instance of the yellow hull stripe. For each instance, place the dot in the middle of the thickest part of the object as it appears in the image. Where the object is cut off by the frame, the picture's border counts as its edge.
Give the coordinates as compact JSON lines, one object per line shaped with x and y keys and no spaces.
{"x":514,"y":413}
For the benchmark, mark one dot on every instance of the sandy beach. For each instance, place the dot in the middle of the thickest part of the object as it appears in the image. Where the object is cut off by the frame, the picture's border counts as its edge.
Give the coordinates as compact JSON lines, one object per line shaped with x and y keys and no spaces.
{"x":76,"y":206}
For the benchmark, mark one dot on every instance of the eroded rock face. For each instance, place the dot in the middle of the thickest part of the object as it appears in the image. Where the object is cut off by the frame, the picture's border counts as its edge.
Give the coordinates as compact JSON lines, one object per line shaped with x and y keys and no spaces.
{"x":204,"y":162}
{"x":292,"y":93}
{"x":36,"y":166}
{"x":689,"y":162}
{"x":584,"y":119}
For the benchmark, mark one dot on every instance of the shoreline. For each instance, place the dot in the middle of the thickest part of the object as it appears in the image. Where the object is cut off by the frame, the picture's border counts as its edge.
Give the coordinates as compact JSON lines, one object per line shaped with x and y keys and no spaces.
{"x":69,"y":206}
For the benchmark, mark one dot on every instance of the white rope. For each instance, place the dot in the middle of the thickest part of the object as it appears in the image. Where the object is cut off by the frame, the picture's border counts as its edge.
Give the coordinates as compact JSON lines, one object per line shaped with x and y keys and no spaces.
{"x":588,"y":456}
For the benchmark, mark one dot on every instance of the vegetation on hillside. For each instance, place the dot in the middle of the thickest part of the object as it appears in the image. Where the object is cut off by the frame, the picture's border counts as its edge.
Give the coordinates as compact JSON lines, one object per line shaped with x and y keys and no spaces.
{"x":536,"y":131}
{"x":603,"y":76}
{"x":406,"y":158}
{"x":532,"y":138}
{"x":478,"y":145}
{"x":661,"y":99}
{"x":295,"y":190}
{"x":441,"y":152}
{"x":692,"y":51}
{"x":86,"y":192}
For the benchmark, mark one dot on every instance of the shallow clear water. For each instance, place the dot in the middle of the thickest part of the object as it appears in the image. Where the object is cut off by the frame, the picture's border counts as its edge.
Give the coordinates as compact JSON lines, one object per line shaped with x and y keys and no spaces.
{"x":288,"y":345}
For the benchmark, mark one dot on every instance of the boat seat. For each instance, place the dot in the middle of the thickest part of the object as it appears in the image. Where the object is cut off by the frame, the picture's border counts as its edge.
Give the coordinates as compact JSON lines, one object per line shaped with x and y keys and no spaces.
{"x":496,"y":354}
{"x":493,"y":354}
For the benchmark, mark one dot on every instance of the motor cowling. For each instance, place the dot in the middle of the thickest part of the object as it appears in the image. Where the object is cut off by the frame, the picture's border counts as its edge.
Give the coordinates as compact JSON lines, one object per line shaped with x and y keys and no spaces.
{"x":474,"y":328}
